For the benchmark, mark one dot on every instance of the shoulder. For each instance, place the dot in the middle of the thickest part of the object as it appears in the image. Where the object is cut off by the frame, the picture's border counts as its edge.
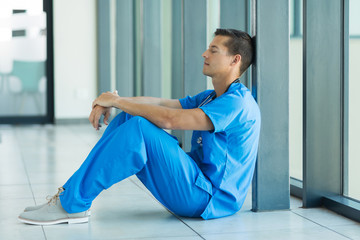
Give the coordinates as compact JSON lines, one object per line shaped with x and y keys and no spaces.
{"x":238,"y":101}
{"x":237,"y":96}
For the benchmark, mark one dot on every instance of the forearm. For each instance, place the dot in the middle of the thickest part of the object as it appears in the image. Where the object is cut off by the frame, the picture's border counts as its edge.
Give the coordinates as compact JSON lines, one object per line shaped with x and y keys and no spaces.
{"x":166,"y":114}
{"x":155,"y":110}
{"x":171,"y":103}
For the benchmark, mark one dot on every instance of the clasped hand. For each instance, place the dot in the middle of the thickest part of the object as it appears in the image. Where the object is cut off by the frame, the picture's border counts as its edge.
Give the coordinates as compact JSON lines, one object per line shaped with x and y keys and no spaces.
{"x":102,"y":106}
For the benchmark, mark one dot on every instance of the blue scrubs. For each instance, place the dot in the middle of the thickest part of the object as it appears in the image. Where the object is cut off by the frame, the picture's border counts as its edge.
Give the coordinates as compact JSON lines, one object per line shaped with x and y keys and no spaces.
{"x":209,"y":182}
{"x":227,"y":155}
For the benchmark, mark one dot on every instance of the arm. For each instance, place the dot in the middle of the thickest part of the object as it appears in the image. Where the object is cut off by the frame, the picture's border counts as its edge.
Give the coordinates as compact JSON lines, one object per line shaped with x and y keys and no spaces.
{"x":171,"y":103}
{"x":98,"y":110}
{"x":166,"y":114}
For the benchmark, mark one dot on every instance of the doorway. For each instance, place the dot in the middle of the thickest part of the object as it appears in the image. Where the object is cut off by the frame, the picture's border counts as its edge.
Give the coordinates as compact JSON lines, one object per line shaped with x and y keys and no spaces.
{"x":26,"y":62}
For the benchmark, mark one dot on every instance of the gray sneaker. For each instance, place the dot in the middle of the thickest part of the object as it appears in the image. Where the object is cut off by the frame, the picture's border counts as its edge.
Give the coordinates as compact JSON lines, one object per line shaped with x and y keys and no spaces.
{"x":36,"y":207}
{"x":52,"y":213}
{"x":32,"y":208}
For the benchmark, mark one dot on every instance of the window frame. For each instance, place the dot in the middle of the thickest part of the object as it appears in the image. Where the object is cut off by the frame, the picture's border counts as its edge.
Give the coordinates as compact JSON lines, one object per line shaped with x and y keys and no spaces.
{"x":335,"y":201}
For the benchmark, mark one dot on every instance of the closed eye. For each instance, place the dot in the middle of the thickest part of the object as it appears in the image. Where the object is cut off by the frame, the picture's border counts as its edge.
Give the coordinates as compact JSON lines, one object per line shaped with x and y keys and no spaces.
{"x":213,"y":49}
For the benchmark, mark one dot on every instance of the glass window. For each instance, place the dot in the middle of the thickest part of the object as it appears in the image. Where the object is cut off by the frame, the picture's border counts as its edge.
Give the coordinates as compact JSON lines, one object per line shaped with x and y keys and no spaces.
{"x":213,"y":22}
{"x":295,"y":90}
{"x":354,"y":18}
{"x":296,"y":18}
{"x":22,"y":58}
{"x":353,"y":165}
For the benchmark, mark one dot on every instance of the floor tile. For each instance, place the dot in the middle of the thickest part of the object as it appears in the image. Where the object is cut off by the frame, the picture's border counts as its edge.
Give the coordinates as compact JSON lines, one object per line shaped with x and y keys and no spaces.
{"x":170,"y":238}
{"x":351,"y":231}
{"x":125,"y":217}
{"x":11,"y":208}
{"x":125,"y":187}
{"x":54,"y":162}
{"x":17,"y":177}
{"x":19,"y":231}
{"x":15,"y":192}
{"x":313,"y":233}
{"x":12,"y":171}
{"x":10,"y":227}
{"x":58,"y":178}
{"x":250,"y":221}
{"x":323,"y":216}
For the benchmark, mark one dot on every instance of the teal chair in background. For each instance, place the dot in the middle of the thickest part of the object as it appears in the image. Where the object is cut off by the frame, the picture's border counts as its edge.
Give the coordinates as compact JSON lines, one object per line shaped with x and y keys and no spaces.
{"x":29,"y":73}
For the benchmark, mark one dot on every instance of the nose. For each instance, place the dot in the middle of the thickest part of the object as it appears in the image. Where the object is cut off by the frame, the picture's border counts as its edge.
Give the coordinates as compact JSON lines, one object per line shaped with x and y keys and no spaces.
{"x":204,"y":55}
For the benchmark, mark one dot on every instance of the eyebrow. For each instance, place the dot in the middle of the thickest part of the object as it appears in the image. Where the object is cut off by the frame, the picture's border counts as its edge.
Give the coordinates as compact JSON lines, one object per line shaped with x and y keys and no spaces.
{"x":213,"y":46}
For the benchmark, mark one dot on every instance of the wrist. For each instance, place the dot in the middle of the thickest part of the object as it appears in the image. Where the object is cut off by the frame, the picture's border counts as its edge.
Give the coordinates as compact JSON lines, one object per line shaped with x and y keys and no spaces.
{"x":118,"y":102}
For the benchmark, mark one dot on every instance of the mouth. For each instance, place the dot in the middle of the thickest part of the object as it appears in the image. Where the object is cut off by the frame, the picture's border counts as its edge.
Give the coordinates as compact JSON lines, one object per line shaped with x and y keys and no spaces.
{"x":205,"y":63}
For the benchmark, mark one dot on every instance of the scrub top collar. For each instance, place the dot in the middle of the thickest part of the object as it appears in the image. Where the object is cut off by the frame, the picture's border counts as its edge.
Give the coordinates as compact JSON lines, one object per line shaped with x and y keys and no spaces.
{"x":235,"y":81}
{"x":212,"y":95}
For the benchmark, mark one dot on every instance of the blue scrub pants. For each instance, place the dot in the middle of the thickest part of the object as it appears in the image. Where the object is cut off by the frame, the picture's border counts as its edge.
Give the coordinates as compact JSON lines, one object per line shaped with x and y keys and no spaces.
{"x":133,"y":145}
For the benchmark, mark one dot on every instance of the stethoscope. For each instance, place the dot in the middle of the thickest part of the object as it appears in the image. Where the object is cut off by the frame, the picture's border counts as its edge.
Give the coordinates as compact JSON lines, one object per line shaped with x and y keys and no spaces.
{"x":212,"y":95}
{"x":208,"y":99}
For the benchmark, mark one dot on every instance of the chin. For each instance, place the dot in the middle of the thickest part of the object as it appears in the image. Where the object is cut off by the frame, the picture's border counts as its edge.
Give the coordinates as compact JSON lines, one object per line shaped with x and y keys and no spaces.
{"x":206,"y":74}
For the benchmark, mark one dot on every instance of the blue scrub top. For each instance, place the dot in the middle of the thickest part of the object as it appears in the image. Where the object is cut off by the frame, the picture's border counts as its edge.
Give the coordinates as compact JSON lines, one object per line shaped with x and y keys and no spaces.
{"x":226,"y":155}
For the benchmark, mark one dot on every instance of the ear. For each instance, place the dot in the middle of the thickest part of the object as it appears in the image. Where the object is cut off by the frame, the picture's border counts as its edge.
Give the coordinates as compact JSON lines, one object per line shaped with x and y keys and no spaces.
{"x":236,"y":59}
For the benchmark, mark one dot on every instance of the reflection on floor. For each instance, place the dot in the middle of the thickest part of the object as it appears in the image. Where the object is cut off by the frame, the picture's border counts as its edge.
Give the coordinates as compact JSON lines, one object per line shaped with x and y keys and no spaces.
{"x":36,"y":160}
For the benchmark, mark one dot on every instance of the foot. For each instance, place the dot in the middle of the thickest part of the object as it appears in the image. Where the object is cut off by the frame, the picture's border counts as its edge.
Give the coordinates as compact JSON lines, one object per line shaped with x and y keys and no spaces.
{"x":52,"y":213}
{"x":32,"y":208}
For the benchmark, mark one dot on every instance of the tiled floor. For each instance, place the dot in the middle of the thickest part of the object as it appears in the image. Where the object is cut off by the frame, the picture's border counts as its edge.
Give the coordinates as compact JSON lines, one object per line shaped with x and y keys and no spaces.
{"x":36,"y":160}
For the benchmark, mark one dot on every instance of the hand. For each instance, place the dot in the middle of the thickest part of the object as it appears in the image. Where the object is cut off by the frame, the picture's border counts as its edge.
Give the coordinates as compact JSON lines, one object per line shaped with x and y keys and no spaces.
{"x":106,"y":99}
{"x":96,"y":113}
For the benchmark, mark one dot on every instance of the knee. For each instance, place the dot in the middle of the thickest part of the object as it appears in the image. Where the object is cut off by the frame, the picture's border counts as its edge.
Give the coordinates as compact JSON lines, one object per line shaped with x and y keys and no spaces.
{"x":145,"y":126}
{"x":119,"y":119}
{"x":122,"y":117}
{"x":141,"y":121}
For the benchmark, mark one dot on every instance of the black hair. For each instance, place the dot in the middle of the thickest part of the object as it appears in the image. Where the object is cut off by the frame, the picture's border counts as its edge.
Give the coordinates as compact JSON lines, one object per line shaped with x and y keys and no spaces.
{"x":239,"y":43}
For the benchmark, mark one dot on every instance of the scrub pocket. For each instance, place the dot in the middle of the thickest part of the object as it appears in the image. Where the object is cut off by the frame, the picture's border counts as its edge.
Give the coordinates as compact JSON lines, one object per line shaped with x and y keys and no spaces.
{"x":204,"y":184}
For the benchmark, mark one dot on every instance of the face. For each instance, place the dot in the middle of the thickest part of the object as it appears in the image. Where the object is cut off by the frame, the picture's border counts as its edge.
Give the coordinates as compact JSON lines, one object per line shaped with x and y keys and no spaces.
{"x":217,"y":60}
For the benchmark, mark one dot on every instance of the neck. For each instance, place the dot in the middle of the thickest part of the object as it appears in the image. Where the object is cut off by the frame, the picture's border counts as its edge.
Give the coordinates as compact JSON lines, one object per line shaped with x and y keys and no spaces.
{"x":221,"y":85}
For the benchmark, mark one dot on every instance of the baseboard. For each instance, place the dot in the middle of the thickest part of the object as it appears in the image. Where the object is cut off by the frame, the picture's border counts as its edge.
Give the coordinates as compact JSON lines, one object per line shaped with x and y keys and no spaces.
{"x":64,"y":121}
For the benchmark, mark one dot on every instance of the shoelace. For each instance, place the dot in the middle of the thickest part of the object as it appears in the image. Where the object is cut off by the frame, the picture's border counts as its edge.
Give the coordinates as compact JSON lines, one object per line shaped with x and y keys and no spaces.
{"x":52,"y":200}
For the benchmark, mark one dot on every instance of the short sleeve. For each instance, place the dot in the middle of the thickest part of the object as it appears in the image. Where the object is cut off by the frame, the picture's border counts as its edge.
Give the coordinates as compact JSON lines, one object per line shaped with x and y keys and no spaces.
{"x":190,"y":102}
{"x":223,"y":110}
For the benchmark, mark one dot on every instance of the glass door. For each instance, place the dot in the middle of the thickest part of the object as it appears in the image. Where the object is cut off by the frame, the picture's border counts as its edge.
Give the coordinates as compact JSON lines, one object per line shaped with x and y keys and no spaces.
{"x":25,"y":62}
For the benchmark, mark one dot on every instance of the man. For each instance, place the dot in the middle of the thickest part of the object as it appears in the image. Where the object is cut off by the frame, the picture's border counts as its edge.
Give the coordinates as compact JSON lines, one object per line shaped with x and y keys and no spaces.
{"x":211,"y":181}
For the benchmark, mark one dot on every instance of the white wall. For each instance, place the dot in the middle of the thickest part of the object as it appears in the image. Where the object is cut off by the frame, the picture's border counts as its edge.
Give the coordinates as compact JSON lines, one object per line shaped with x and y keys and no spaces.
{"x":75,"y":58}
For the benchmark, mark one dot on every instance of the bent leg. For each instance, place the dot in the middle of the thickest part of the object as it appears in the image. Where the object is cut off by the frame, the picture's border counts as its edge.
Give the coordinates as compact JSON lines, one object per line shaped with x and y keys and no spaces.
{"x":172,"y":176}
{"x":116,"y":122}
{"x":137,"y":147}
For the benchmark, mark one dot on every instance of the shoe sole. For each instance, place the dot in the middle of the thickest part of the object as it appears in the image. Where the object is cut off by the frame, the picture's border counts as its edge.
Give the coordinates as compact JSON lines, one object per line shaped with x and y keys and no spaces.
{"x":89,"y":211}
{"x":63,"y":220}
